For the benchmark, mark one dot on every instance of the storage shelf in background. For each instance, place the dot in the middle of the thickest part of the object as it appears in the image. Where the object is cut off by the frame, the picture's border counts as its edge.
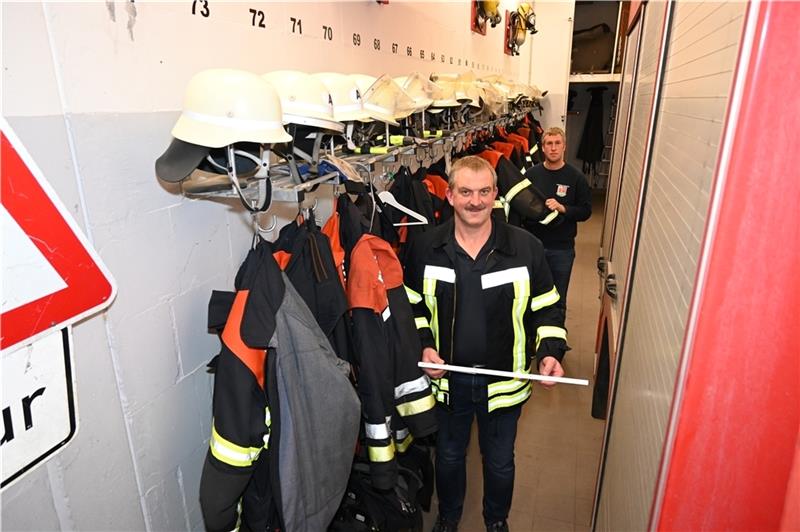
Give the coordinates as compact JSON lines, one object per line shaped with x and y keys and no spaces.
{"x":595,"y":78}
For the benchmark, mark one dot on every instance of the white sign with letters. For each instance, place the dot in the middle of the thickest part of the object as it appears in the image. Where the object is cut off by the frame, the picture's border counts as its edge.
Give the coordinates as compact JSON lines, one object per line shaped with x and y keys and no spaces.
{"x":38,"y":406}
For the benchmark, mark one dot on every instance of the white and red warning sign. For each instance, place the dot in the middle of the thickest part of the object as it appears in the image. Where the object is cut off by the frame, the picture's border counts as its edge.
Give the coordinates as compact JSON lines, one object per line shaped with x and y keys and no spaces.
{"x":51,"y":276}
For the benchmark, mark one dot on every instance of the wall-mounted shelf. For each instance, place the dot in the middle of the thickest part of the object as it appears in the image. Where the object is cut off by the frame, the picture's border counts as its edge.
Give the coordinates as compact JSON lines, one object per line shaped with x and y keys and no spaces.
{"x":595,"y":78}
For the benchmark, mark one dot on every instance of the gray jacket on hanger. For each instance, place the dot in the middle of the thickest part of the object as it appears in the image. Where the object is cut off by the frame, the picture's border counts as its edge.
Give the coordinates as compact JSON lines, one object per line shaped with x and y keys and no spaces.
{"x":319,"y":417}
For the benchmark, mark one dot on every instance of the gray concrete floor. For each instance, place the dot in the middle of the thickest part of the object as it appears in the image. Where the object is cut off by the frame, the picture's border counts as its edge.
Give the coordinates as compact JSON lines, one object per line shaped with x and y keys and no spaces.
{"x":558,"y":442}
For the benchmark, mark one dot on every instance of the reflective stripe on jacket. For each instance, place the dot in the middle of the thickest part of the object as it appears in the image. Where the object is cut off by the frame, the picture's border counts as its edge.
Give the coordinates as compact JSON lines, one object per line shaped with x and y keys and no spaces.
{"x":395,"y":392}
{"x":519,"y":296}
{"x":285,"y":415}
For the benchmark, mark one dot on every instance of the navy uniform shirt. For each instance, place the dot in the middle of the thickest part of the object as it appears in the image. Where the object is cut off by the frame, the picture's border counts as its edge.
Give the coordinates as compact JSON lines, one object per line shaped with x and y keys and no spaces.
{"x":470,"y":315}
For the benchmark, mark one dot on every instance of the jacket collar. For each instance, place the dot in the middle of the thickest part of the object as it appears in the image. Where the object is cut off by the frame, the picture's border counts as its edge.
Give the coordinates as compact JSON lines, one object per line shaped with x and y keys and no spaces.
{"x":502,"y":237}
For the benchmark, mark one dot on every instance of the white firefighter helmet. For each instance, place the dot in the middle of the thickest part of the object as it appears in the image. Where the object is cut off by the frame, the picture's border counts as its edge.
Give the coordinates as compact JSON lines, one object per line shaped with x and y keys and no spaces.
{"x":383,"y":99}
{"x":305,"y":99}
{"x":347,"y":102}
{"x":444,"y":96}
{"x":224,"y":106}
{"x":462,"y":85}
{"x":419,"y":88}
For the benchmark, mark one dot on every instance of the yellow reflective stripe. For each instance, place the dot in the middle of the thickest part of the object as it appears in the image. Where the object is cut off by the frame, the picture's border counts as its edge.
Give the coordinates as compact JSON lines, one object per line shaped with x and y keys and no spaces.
{"x":548,"y":298}
{"x":429,"y":289}
{"x":396,"y":140}
{"x":516,"y":189}
{"x":381,"y":454}
{"x":524,"y":170}
{"x":421,"y":322}
{"x":230,"y":453}
{"x":549,"y":218}
{"x":416,"y":407}
{"x":510,"y":400}
{"x":549,"y":331}
{"x":268,"y":423}
{"x":506,"y":387}
{"x":373,"y":149}
{"x":522,"y":292}
{"x":534,"y":149}
{"x":440,"y":388}
{"x":413,"y":297}
{"x":501,"y":203}
{"x":404,"y":444}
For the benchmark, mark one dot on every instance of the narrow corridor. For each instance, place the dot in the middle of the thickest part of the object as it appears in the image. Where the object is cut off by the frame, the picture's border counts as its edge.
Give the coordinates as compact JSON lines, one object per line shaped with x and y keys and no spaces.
{"x":558,"y":441}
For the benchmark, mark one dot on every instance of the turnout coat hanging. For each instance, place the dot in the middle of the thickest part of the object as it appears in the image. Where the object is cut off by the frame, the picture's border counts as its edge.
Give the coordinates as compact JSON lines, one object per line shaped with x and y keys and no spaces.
{"x":286,"y":416}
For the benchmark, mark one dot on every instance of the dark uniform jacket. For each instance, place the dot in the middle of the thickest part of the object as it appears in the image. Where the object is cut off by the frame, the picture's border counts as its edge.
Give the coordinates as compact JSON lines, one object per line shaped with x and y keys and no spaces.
{"x":569,"y":186}
{"x":519,"y":299}
{"x":395,"y":393}
{"x":305,"y":254}
{"x":517,"y":200}
{"x":285,"y":415}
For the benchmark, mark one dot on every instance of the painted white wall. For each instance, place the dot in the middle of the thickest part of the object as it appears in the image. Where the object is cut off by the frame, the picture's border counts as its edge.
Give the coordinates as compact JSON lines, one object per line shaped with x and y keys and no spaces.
{"x":551,"y":50}
{"x":93,"y":90}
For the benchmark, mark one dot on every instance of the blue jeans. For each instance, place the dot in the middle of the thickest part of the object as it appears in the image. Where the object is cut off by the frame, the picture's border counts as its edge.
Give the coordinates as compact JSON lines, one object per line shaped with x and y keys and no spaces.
{"x":496,"y":434}
{"x":560,"y":262}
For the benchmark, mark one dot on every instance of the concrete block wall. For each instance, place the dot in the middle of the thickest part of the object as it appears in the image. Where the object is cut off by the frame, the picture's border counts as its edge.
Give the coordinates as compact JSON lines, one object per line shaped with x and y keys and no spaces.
{"x":93,"y":89}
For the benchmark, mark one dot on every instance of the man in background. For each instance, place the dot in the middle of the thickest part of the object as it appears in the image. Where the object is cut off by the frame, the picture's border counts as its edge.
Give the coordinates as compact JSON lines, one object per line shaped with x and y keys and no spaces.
{"x":570,"y":200}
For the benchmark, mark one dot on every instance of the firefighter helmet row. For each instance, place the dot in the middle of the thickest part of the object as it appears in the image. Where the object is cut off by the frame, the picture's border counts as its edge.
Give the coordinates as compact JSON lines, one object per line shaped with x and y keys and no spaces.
{"x":222,"y":107}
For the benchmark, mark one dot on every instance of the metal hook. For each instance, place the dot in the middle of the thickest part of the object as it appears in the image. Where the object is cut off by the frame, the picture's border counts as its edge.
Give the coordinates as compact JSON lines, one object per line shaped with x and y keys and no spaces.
{"x":260,"y":229}
{"x":313,"y":207}
{"x":306,"y":212}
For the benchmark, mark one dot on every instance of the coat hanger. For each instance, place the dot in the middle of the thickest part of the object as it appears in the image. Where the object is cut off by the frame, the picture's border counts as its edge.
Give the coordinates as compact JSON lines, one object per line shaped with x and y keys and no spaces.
{"x":389,"y":199}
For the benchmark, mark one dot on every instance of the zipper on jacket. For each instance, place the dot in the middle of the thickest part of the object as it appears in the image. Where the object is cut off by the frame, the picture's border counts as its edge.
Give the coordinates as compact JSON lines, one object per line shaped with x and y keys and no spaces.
{"x":453,"y":323}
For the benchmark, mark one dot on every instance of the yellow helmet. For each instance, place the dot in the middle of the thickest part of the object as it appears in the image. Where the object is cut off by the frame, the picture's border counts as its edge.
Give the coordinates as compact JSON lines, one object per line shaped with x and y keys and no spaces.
{"x":490,"y":11}
{"x":528,"y":16}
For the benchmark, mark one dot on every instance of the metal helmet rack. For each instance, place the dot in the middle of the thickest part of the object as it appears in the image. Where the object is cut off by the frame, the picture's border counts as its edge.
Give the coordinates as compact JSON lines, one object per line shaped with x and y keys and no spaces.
{"x":276,"y":183}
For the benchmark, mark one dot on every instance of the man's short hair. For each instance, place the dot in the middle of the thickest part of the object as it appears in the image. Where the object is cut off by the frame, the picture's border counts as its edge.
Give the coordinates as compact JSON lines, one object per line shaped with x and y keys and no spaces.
{"x":553,"y":131}
{"x":471,"y":162}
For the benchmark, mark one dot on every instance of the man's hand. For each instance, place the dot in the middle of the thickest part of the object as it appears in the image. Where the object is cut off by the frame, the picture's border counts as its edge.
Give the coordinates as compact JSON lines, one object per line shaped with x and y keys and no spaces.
{"x":554,"y":205}
{"x":550,"y":367}
{"x":430,"y":355}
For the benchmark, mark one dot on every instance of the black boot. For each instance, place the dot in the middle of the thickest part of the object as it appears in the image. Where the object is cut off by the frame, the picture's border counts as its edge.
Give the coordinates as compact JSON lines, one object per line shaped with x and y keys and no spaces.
{"x":443,"y":525}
